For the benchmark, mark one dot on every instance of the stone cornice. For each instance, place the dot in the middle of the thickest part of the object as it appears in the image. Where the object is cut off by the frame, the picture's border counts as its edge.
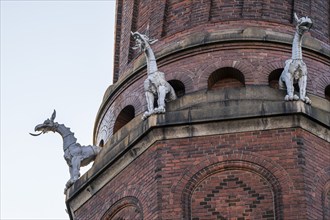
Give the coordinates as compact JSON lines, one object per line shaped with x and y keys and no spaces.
{"x":212,"y":115}
{"x":204,"y":39}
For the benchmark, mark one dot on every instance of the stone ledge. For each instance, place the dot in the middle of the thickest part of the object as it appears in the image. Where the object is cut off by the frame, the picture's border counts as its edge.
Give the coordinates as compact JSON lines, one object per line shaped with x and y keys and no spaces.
{"x":240,"y":94}
{"x":229,"y":103}
{"x":202,"y":39}
{"x":90,"y":184}
{"x":236,"y":116}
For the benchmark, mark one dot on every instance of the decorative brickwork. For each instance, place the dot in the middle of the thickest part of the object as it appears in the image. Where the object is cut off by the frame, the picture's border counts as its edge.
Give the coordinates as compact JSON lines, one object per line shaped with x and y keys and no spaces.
{"x":231,"y":194}
{"x":248,"y":183}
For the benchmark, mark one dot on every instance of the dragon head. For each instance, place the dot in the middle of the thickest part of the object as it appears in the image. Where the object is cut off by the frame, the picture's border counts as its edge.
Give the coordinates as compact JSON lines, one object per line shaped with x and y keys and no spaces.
{"x":48,"y":125}
{"x":142,"y":41}
{"x":303,"y":24}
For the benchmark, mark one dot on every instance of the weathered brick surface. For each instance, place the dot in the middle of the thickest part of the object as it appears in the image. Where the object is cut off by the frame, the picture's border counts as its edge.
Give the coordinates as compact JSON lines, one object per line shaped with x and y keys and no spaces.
{"x":232,"y":193}
{"x":127,"y":213}
{"x":167,"y":19}
{"x":251,"y":175}
{"x":125,"y":208}
{"x":138,"y":181}
{"x":317,"y":180}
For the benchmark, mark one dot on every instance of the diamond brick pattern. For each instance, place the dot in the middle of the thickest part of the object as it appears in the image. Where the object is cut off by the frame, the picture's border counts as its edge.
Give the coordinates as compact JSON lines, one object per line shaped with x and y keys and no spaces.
{"x":233,"y":194}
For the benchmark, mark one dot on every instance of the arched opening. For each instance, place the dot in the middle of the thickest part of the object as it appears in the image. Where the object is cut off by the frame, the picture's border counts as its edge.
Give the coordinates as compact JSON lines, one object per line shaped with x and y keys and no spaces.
{"x":226,"y":77}
{"x":125,"y":208}
{"x":326,"y":202}
{"x":273,"y":78}
{"x":327,"y":92}
{"x":178,"y":87}
{"x":126,"y":115}
{"x":101,"y":144}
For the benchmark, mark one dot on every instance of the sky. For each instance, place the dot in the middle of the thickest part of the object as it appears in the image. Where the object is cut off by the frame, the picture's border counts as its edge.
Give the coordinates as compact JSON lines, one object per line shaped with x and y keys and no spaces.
{"x":54,"y":55}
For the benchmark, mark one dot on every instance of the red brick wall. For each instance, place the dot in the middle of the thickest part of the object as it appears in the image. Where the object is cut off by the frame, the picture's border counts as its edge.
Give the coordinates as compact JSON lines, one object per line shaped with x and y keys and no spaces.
{"x":136,"y":185}
{"x":128,"y":212}
{"x":170,"y":17}
{"x":125,"y":208}
{"x":326,"y":201}
{"x":226,"y":83}
{"x":316,"y":173}
{"x":258,"y":175}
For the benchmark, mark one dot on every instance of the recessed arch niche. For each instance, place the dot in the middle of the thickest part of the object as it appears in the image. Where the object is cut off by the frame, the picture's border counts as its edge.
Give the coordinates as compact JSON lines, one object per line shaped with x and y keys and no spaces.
{"x":327,"y":92}
{"x":274,"y":77}
{"x":125,"y":208}
{"x":225,"y":78}
{"x":125,"y":116}
{"x":178,"y":87}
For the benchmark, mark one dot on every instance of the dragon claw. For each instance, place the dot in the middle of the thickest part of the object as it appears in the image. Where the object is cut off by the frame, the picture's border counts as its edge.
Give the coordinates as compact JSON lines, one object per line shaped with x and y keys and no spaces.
{"x":295,"y":97}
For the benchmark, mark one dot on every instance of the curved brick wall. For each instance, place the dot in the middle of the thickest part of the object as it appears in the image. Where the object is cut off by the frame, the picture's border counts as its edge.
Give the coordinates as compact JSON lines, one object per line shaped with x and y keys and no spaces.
{"x":229,"y":147}
{"x":255,"y":61}
{"x":198,"y":38}
{"x":167,"y":19}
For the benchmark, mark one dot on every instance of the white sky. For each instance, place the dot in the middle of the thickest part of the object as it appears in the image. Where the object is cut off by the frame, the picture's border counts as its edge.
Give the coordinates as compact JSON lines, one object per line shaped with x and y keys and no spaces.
{"x":54,"y":55}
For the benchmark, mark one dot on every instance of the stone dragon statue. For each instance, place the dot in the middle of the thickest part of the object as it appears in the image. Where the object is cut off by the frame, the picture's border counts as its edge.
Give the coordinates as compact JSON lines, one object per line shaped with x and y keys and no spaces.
{"x":74,"y":154}
{"x":295,"y":70}
{"x":155,"y":85}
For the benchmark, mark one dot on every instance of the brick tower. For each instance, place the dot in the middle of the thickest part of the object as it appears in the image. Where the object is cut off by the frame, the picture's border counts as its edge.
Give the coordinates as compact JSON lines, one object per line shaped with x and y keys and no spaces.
{"x":230,"y":146}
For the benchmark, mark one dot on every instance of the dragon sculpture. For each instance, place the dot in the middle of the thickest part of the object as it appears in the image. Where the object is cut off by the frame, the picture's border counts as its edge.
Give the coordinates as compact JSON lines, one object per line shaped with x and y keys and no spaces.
{"x":74,"y":154}
{"x":295,"y":70}
{"x":155,"y":86}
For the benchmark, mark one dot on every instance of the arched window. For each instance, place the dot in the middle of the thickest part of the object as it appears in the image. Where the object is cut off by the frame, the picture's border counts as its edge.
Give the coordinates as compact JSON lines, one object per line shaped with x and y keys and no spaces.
{"x":126,"y":115}
{"x":326,"y":202}
{"x":101,"y":144}
{"x":273,"y":78}
{"x":327,"y":92}
{"x":226,"y":77}
{"x":125,"y":208}
{"x":178,"y":87}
